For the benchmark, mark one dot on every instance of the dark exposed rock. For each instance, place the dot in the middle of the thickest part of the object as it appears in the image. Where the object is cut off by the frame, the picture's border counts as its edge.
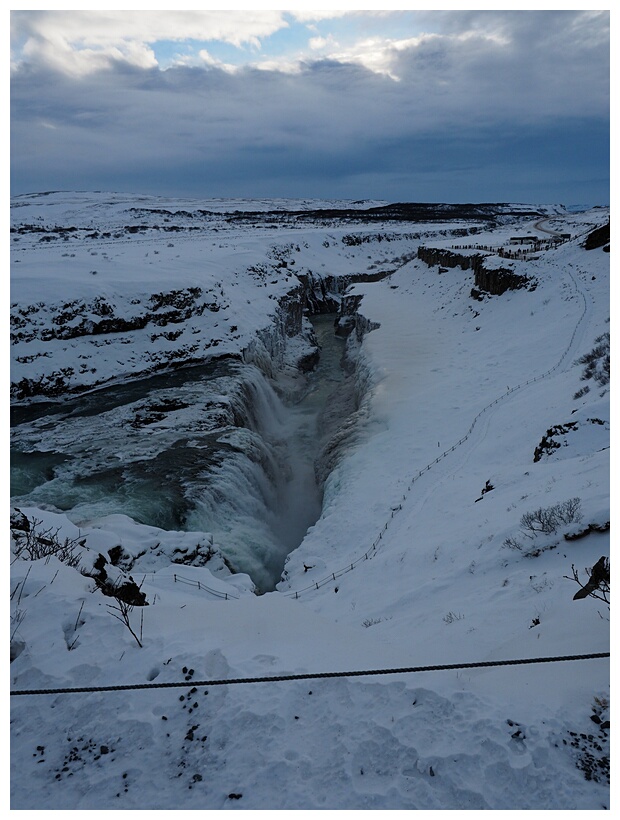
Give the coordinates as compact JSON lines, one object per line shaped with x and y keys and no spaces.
{"x":490,"y":280}
{"x":309,"y":362}
{"x":548,"y":444}
{"x":320,"y":293}
{"x":75,"y":319}
{"x":449,"y":259}
{"x":19,"y":521}
{"x":598,"y":238}
{"x":344,"y":326}
{"x":498,"y":280}
{"x":593,"y":527}
{"x":52,"y":384}
{"x":152,"y":412}
{"x":124,"y":589}
{"x":175,"y":298}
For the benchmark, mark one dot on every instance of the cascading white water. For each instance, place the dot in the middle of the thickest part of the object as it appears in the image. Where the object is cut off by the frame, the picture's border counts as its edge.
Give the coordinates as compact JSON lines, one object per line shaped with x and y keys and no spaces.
{"x":280,"y":496}
{"x":218,"y":450}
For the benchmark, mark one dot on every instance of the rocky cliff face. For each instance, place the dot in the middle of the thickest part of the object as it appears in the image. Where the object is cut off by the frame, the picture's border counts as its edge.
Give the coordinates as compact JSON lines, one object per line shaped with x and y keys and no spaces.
{"x":323,"y":294}
{"x":65,"y":347}
{"x":314,"y":295}
{"x":450,"y":259}
{"x":498,"y":280}
{"x":599,"y":238}
{"x":493,"y":281}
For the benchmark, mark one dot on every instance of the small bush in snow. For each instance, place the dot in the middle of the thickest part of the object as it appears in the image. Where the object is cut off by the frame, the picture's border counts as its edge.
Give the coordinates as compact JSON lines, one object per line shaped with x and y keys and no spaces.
{"x":585,"y":389}
{"x":597,"y":361}
{"x":122,"y":612}
{"x":513,"y":544}
{"x":548,"y":519}
{"x":545,"y":521}
{"x":452,"y":616}
{"x":34,"y":543}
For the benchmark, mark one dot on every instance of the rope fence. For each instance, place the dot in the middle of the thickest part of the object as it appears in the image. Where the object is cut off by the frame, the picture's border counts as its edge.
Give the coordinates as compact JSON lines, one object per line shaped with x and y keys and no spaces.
{"x":307,"y":676}
{"x":201,"y":585}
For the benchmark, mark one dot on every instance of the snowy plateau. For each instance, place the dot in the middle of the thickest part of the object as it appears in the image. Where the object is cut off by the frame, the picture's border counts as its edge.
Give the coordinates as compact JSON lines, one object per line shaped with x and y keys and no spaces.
{"x":265,"y":441}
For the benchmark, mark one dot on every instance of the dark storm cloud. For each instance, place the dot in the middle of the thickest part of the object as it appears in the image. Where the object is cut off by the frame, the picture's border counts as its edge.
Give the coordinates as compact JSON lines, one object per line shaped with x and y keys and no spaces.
{"x":481,"y":103}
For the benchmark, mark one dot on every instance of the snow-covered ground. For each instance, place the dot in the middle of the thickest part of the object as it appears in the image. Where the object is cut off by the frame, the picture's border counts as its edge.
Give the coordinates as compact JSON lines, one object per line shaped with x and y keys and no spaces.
{"x":407,"y":565}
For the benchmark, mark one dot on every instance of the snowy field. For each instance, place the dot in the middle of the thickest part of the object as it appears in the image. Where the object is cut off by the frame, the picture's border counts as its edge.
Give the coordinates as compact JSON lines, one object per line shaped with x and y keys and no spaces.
{"x":470,"y":415}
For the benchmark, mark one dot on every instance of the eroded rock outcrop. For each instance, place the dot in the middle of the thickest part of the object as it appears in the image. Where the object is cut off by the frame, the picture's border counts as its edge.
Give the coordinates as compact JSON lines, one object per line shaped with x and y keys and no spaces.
{"x":494,"y":281}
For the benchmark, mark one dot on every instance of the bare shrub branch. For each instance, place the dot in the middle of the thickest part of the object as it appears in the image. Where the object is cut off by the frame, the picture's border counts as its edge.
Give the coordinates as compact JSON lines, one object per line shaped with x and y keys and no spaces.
{"x":598,"y":583}
{"x":122,"y":612}
{"x":547,"y":520}
{"x":597,"y":361}
{"x":544,"y":521}
{"x":35,"y":543}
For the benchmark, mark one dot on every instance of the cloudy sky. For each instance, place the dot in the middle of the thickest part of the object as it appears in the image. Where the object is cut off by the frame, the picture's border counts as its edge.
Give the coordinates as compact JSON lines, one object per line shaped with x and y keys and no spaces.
{"x":452,"y":106}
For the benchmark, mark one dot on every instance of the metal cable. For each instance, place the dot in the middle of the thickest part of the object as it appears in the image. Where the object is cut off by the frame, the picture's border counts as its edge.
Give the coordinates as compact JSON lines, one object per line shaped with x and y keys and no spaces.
{"x":307,"y":676}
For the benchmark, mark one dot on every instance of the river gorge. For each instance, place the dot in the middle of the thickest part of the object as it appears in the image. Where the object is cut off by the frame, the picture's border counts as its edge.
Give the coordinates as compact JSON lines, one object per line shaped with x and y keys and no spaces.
{"x":220,"y":448}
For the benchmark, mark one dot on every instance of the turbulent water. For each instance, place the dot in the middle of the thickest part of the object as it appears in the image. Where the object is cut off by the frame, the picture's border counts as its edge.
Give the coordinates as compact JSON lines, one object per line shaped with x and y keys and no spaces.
{"x":217,"y":449}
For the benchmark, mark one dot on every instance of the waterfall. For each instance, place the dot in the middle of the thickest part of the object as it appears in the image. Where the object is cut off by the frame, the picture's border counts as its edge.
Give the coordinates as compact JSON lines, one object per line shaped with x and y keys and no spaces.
{"x":232,"y":450}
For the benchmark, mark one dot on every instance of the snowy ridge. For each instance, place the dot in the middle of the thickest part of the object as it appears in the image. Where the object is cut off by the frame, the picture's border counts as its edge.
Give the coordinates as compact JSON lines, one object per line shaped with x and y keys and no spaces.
{"x":469,"y":415}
